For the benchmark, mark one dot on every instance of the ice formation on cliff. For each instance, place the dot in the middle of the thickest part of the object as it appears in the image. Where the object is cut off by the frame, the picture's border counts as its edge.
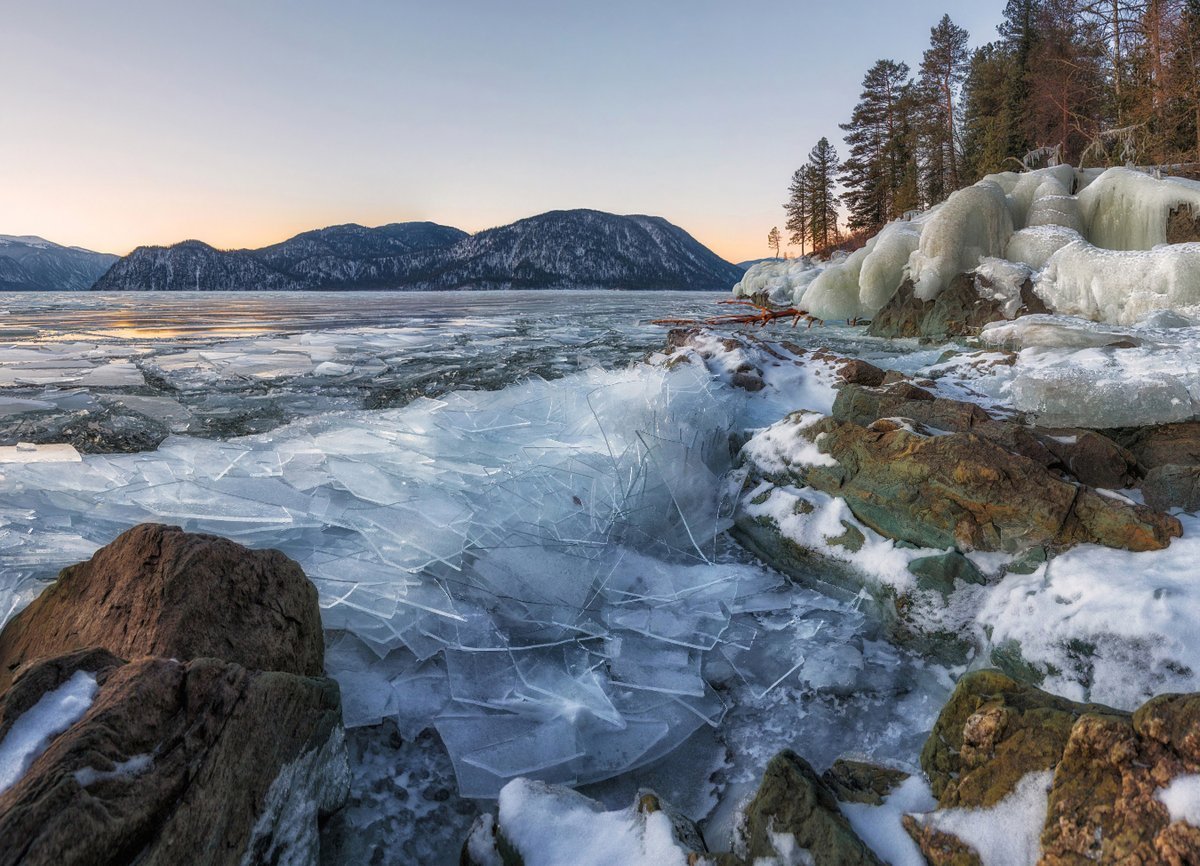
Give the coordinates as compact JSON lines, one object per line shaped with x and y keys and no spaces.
{"x":1096,"y":241}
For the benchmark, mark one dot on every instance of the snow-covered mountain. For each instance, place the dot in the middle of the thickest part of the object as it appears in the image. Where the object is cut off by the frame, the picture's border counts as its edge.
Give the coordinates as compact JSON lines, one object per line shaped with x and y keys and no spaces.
{"x":560,"y":249}
{"x":345,"y":256}
{"x":29,"y":263}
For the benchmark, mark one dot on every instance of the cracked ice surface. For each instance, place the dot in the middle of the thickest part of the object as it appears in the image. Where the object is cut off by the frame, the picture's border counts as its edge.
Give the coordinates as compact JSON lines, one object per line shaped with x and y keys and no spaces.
{"x":533,"y":565}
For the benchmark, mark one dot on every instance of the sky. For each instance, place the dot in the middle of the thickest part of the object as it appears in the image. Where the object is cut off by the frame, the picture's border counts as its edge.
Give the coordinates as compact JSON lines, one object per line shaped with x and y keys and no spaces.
{"x":243,"y":122}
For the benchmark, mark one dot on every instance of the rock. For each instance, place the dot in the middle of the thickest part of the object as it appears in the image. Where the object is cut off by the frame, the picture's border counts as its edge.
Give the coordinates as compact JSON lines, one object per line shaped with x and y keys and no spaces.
{"x":860,"y":782}
{"x":159,"y":591}
{"x":1109,"y":768}
{"x":1163,"y":444}
{"x":793,"y":800}
{"x":856,"y":372}
{"x":992,"y":732}
{"x":940,"y":572}
{"x":1088,"y":456}
{"x":185,"y":753}
{"x":966,"y":492}
{"x":958,"y":311}
{"x":1170,"y":486}
{"x":175,"y":762}
{"x":1183,"y":226}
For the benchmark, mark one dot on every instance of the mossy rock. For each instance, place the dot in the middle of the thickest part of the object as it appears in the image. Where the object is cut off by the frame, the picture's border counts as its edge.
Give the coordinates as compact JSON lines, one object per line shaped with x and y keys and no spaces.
{"x":792,"y":799}
{"x":994,"y":731}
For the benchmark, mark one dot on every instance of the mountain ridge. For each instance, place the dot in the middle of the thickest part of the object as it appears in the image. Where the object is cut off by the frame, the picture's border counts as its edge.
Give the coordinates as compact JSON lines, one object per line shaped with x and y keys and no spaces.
{"x":579,"y":248}
{"x":29,"y":263}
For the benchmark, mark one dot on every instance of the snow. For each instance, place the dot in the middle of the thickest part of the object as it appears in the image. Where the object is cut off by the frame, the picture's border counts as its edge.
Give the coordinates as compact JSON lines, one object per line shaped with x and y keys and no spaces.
{"x":35,"y":729}
{"x":552,"y":826}
{"x":1100,"y":253}
{"x":1007,"y":834}
{"x":781,"y":445}
{"x":124,"y":770}
{"x":881,"y":828}
{"x":26,"y":452}
{"x":1118,"y":621}
{"x":1182,"y":799}
{"x":1125,"y":209}
{"x":782,"y":280}
{"x":865,"y":281}
{"x":1121,"y":286}
{"x":972,"y":223}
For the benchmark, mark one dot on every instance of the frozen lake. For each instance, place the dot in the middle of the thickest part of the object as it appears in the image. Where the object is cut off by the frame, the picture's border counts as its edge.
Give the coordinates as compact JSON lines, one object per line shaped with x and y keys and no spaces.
{"x":516,"y":527}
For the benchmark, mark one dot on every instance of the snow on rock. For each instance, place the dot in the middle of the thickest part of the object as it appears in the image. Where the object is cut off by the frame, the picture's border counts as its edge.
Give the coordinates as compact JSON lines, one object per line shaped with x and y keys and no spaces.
{"x":781,"y":280}
{"x":551,"y":826}
{"x":1007,"y":834}
{"x":862,"y":283}
{"x":1036,"y":245}
{"x":1125,"y":209}
{"x":1121,"y":286}
{"x":881,"y":826}
{"x":35,"y":729}
{"x":1106,"y":625}
{"x":1182,"y":799}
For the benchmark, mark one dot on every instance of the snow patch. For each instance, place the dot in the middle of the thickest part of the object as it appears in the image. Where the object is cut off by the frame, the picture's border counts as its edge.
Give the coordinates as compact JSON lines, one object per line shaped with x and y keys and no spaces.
{"x":35,"y":729}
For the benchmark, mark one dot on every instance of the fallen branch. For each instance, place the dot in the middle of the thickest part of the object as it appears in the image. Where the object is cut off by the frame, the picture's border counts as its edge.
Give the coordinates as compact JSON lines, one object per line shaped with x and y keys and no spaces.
{"x":762,"y":318}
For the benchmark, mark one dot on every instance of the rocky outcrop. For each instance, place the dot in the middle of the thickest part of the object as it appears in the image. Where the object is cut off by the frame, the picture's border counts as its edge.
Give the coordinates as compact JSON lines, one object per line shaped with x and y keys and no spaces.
{"x":964,"y":491}
{"x":160,"y":591}
{"x":210,"y":736}
{"x":959,"y":310}
{"x":1089,"y":457}
{"x":1163,"y":444}
{"x":1171,"y":486}
{"x":1109,"y":769}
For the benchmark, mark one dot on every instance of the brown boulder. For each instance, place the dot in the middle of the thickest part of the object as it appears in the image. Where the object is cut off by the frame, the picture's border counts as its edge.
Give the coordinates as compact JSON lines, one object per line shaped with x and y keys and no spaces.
{"x":964,"y":491}
{"x":159,"y":591}
{"x":176,"y":762}
{"x":1163,"y":444}
{"x":1090,"y":457}
{"x":1109,"y":768}
{"x":959,"y":310}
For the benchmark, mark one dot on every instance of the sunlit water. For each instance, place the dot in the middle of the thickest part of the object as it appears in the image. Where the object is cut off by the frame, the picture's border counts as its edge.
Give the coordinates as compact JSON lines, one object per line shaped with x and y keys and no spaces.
{"x":515,"y":527}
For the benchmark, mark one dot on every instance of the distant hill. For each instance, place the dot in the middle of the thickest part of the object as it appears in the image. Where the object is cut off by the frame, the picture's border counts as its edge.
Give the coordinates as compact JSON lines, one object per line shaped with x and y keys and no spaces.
{"x":345,"y":256}
{"x":31,"y":264}
{"x":555,"y":250}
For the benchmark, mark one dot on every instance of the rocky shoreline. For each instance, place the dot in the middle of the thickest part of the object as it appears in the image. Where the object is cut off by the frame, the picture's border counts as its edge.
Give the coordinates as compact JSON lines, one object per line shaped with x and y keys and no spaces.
{"x":179,"y":679}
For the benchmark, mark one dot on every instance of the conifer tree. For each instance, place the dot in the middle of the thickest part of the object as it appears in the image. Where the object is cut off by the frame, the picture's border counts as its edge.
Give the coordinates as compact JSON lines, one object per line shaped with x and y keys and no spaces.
{"x":798,"y":209}
{"x":823,"y":202}
{"x":773,"y":240}
{"x":943,"y":68}
{"x":880,"y":138}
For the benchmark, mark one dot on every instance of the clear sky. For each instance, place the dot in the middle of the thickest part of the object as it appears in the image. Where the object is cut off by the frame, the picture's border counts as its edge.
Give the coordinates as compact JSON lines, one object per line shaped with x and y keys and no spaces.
{"x":242,"y":122}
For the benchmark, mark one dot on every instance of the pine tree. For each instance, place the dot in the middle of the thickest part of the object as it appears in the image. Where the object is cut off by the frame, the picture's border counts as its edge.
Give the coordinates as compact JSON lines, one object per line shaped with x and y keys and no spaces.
{"x":943,"y":68}
{"x":799,"y":214}
{"x":1019,"y":36}
{"x":880,"y":138}
{"x":984,"y":101}
{"x":823,"y":202}
{"x":773,"y":240}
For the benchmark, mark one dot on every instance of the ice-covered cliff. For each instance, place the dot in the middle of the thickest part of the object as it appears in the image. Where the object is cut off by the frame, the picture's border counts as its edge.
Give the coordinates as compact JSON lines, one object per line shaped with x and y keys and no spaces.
{"x":1110,"y":246}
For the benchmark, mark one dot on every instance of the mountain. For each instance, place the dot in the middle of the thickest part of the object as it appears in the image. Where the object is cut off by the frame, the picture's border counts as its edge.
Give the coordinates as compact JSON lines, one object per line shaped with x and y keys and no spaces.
{"x":559,"y":249}
{"x":30,"y":263}
{"x":579,"y":249}
{"x":345,"y":256}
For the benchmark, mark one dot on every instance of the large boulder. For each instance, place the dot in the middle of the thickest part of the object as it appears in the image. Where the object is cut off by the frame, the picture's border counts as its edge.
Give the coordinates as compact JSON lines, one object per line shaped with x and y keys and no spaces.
{"x":965,"y":491}
{"x":175,"y":762}
{"x":1109,"y":770}
{"x":1089,"y":457}
{"x":1163,"y":444}
{"x":201,"y":729}
{"x":159,"y":591}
